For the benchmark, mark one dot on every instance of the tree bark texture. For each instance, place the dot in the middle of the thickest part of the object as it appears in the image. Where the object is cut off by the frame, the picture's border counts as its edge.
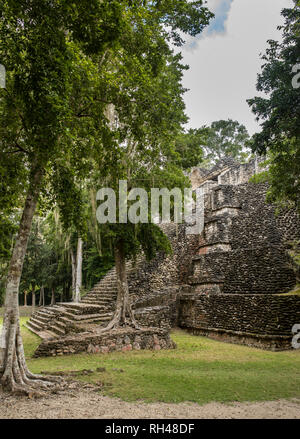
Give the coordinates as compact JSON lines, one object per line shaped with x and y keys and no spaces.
{"x":14,"y":374}
{"x":123,"y":315}
{"x":78,"y":271}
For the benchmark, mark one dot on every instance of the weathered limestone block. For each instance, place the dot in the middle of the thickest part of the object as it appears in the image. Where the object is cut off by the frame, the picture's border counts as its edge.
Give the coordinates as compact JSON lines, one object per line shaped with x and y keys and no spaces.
{"x":124,"y":340}
{"x":261,"y":317}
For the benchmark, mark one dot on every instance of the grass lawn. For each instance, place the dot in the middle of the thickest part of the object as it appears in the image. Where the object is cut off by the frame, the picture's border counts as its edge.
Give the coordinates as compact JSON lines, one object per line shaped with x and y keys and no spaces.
{"x":25,"y":311}
{"x":199,"y":370}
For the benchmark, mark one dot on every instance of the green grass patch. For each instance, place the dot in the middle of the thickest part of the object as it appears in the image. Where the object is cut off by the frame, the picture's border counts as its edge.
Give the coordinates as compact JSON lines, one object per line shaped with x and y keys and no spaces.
{"x":199,"y":370}
{"x":24,"y":311}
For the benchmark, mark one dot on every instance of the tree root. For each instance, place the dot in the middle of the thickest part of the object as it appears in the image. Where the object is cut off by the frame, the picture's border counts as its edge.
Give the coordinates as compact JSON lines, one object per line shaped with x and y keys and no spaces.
{"x":15,"y":376}
{"x":123,"y":318}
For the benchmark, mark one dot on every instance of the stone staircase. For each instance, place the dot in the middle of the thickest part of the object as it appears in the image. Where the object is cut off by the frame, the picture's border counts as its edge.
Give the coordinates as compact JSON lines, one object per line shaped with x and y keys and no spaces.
{"x":221,"y":208}
{"x":96,"y":307}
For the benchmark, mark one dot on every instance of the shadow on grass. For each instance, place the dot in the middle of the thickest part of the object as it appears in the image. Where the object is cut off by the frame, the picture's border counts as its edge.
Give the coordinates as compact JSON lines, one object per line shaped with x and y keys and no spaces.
{"x":199,"y":370}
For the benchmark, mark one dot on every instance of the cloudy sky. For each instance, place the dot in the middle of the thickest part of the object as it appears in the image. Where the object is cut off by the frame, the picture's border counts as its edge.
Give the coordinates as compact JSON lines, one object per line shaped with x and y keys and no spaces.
{"x":224,"y":61}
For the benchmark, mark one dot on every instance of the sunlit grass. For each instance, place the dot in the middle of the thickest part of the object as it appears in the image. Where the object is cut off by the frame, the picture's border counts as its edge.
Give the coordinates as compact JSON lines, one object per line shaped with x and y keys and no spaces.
{"x":199,"y":370}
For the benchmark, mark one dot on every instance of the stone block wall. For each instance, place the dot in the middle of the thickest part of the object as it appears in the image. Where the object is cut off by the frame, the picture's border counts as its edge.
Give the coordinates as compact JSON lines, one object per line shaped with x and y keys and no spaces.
{"x":261,"y":320}
{"x":242,"y":265}
{"x":241,"y":173}
{"x":120,"y":340}
{"x":153,"y":280}
{"x":259,"y":270}
{"x":245,"y":242}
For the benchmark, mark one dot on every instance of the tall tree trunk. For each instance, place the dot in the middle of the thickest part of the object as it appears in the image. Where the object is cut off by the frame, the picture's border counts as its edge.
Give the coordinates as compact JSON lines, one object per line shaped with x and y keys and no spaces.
{"x":42,"y":297}
{"x":68,"y":287}
{"x":123,"y":315}
{"x":78,"y":271}
{"x":25,"y":299}
{"x":14,"y":375}
{"x":73,"y":261}
{"x":33,"y":301}
{"x":52,"y":297}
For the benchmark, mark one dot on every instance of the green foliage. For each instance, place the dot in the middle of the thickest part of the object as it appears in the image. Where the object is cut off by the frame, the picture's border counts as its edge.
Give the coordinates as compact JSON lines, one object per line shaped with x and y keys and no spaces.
{"x":189,"y":147}
{"x":294,"y":253}
{"x":69,"y":64}
{"x":282,"y":174}
{"x":95,"y":266}
{"x":280,"y":112}
{"x":226,"y":138}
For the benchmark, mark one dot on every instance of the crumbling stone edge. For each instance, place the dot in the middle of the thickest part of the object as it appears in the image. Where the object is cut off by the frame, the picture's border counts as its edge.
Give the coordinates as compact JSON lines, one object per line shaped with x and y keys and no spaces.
{"x":119,"y":340}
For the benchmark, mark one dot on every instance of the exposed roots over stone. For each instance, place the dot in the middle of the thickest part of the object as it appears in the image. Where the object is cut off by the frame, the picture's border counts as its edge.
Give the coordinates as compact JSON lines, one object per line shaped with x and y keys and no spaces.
{"x":14,"y":374}
{"x":123,"y":318}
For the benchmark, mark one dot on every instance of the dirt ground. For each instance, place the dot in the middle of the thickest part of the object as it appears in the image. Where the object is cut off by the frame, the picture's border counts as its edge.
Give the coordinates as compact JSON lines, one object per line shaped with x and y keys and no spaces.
{"x":86,"y":403}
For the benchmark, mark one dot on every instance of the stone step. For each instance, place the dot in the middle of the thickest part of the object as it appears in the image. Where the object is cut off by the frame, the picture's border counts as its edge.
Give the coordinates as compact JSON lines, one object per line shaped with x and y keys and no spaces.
{"x":72,"y":306}
{"x":56,"y":329}
{"x":99,"y":319}
{"x":105,"y":293}
{"x":39,"y":322}
{"x":43,"y":334}
{"x":56,"y":308}
{"x":104,"y":289}
{"x":100,"y":300}
{"x":102,"y":306}
{"x":61,"y":324}
{"x":103,"y":300}
{"x":45,"y":313}
{"x":46,"y":335}
{"x":85,"y":318}
{"x":65,"y":320}
{"x":32,"y":325}
{"x":42,"y":319}
{"x":82,"y":308}
{"x":68,"y":315}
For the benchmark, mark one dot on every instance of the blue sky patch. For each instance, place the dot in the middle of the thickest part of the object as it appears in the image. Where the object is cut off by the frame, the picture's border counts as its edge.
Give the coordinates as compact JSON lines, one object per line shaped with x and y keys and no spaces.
{"x":221,"y":11}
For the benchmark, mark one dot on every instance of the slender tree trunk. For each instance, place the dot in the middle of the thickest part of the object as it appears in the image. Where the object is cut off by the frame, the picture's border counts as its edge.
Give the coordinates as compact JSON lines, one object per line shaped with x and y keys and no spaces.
{"x":68,"y":292}
{"x":25,"y":299}
{"x":33,"y":301}
{"x":42,"y":297}
{"x":14,"y":375}
{"x":78,"y":271}
{"x":52,"y":297}
{"x":73,"y":261}
{"x":123,"y":315}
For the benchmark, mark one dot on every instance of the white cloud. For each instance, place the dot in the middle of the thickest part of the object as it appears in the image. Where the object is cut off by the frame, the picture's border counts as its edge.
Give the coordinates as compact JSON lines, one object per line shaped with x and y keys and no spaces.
{"x":224,"y":68}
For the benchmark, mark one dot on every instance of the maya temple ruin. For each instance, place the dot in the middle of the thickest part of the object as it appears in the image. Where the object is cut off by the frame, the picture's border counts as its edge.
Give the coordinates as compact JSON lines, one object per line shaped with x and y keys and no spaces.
{"x":230,"y":283}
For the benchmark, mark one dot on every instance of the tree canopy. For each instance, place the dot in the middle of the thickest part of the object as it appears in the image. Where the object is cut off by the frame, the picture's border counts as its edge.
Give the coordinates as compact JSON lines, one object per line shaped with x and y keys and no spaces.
{"x":226,"y":138}
{"x":279,"y":112}
{"x":70,"y":67}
